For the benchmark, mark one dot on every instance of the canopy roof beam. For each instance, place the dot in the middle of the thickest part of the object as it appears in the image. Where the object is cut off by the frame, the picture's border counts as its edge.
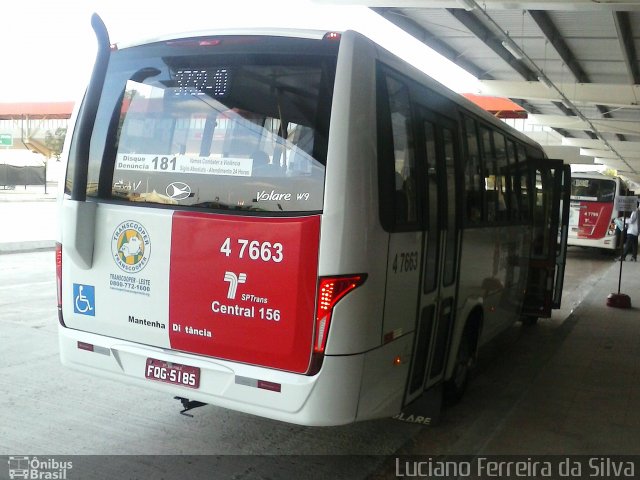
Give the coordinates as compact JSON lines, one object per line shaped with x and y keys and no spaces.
{"x":627,"y":44}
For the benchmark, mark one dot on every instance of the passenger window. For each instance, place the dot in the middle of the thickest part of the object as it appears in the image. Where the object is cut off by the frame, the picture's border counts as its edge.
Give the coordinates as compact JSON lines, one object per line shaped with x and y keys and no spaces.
{"x":501,"y":178}
{"x":435,"y":214}
{"x":513,"y":180}
{"x":524,"y":183}
{"x":490,"y":174}
{"x":405,"y":197}
{"x":472,"y":175}
{"x":449,"y":273}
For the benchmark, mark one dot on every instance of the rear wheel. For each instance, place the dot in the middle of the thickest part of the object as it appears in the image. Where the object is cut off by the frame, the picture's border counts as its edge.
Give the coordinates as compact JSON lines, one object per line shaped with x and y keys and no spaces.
{"x":455,"y":387}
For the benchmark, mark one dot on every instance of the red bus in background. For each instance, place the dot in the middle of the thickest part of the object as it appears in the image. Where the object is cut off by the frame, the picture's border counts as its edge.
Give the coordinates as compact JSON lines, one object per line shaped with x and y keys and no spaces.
{"x":592,"y":210}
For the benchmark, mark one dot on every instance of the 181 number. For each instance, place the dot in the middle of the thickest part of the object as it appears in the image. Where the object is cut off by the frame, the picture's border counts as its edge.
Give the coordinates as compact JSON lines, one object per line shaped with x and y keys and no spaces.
{"x":164,"y":163}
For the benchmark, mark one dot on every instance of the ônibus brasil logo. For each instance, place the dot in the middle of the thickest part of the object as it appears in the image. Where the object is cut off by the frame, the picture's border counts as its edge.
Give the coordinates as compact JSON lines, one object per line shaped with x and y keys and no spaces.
{"x":131,"y":246}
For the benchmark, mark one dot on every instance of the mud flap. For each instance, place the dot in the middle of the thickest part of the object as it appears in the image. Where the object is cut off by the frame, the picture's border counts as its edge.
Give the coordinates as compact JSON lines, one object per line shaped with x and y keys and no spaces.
{"x":425,"y":410}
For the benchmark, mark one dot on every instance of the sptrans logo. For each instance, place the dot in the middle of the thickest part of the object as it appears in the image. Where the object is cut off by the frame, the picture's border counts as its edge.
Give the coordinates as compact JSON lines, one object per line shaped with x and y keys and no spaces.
{"x":131,"y":246}
{"x":234,"y":280}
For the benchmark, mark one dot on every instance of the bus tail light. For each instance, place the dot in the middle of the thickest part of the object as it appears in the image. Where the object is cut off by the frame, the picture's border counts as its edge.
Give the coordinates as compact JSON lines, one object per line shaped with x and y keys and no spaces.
{"x":330,"y":291}
{"x":214,"y":41}
{"x":194,"y":42}
{"x":332,"y":36}
{"x":59,"y":281}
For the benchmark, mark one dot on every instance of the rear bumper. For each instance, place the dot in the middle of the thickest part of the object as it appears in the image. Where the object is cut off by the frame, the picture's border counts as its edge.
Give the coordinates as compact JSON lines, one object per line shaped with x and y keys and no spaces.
{"x":328,"y":398}
{"x":608,"y":242}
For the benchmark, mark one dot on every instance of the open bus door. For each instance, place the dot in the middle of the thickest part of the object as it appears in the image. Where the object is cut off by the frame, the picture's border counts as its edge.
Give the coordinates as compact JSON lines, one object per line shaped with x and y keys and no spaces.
{"x":563,"y":234}
{"x":550,"y":189}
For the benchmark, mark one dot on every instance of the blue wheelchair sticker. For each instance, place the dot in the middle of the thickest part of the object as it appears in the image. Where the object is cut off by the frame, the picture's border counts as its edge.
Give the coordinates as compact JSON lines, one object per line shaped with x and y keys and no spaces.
{"x":84,"y":299}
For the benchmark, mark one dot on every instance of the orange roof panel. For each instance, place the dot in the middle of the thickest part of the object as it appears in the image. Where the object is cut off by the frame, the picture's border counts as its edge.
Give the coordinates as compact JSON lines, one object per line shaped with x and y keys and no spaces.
{"x":499,"y":107}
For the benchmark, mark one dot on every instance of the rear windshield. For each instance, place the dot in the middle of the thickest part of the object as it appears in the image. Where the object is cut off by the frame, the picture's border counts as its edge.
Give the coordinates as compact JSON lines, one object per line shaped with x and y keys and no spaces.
{"x":231,"y":124}
{"x":593,"y":189}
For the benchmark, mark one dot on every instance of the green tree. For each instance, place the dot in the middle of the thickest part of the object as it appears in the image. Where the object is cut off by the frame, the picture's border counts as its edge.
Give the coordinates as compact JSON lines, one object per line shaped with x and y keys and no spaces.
{"x":55,"y":141}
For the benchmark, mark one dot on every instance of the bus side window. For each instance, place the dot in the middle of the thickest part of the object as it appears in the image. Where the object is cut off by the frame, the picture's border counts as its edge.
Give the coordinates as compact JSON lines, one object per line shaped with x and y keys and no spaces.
{"x":501,"y":178}
{"x":513,"y":181}
{"x":490,"y":174}
{"x":405,"y":196}
{"x":525,"y":211}
{"x":472,"y":175}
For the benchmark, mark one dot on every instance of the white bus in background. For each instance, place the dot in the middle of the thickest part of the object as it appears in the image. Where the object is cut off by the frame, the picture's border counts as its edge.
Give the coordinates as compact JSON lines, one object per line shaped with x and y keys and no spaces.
{"x":296,"y":225}
{"x":592,"y":212}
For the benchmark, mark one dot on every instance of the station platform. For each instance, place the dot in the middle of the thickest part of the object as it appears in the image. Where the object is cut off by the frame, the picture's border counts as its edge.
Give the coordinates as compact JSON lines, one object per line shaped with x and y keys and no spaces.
{"x":29,"y":218}
{"x":566,"y":386}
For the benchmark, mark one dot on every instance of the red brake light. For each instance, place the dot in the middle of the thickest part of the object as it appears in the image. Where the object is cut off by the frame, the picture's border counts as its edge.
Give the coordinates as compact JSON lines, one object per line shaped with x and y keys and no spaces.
{"x":214,"y":41}
{"x":59,"y":272}
{"x":59,"y":280}
{"x":209,"y":42}
{"x":330,"y":291}
{"x":194,"y":42}
{"x":334,"y":36}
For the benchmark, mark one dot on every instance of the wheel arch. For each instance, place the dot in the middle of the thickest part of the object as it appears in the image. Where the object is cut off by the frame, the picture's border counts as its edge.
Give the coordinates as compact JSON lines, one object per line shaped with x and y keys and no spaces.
{"x":473,"y":313}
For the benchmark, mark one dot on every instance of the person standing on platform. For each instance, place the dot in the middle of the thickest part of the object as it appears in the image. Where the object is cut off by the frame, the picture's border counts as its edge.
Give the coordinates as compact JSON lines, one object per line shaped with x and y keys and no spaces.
{"x":631,"y":243}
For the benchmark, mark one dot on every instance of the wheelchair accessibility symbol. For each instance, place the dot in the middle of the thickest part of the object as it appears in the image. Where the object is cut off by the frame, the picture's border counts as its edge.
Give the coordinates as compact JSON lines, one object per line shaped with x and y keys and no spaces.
{"x":84,"y":299}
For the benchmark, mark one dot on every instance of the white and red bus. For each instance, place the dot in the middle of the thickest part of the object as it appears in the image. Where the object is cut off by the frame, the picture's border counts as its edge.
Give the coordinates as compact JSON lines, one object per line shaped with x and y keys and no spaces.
{"x":296,"y":225}
{"x":592,"y":213}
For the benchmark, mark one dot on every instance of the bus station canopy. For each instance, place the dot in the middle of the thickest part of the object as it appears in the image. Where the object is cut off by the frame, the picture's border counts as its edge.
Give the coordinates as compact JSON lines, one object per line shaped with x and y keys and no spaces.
{"x":572,"y":65}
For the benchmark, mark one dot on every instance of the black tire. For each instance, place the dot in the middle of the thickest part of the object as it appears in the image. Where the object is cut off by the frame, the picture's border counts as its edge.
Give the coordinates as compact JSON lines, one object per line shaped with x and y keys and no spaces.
{"x":529,"y":320}
{"x":455,"y":387}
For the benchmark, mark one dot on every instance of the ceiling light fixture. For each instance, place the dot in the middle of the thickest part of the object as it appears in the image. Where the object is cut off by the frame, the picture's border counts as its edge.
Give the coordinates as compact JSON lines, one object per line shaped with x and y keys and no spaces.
{"x":468,"y":5}
{"x":545,"y":81}
{"x":513,"y":49}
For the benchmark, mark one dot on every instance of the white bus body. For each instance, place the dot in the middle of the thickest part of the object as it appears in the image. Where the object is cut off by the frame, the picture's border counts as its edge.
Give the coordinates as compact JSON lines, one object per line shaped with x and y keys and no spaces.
{"x":222,"y":297}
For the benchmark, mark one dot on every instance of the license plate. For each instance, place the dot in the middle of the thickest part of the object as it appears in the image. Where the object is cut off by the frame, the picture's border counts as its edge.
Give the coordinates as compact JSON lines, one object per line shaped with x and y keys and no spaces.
{"x":174,"y":373}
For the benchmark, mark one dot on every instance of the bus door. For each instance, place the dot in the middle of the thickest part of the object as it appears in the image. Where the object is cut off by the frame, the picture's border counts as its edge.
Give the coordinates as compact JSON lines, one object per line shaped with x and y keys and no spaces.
{"x":563,"y":233}
{"x":550,"y":190}
{"x":436,"y":304}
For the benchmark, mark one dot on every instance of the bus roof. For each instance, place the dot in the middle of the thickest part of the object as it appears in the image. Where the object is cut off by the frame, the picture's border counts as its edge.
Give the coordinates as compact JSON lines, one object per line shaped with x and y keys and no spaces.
{"x":318,"y":35}
{"x":273,"y":32}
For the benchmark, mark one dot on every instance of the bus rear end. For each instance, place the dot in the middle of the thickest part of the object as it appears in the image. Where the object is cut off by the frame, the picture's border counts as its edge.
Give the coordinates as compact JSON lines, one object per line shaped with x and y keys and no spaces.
{"x":189,"y":260}
{"x":592,"y":211}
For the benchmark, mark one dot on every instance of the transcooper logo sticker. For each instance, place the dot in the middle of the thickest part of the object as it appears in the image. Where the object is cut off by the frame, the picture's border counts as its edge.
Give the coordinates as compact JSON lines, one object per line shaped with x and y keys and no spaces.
{"x":131,"y":246}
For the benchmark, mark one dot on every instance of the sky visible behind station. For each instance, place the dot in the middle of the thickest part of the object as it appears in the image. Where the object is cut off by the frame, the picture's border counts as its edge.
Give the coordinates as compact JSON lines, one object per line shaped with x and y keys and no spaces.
{"x":47,"y":48}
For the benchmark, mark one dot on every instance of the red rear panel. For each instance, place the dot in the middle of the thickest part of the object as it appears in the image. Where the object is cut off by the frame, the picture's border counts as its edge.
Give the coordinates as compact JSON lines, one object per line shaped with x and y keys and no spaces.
{"x":243,"y":288}
{"x":594,"y":219}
